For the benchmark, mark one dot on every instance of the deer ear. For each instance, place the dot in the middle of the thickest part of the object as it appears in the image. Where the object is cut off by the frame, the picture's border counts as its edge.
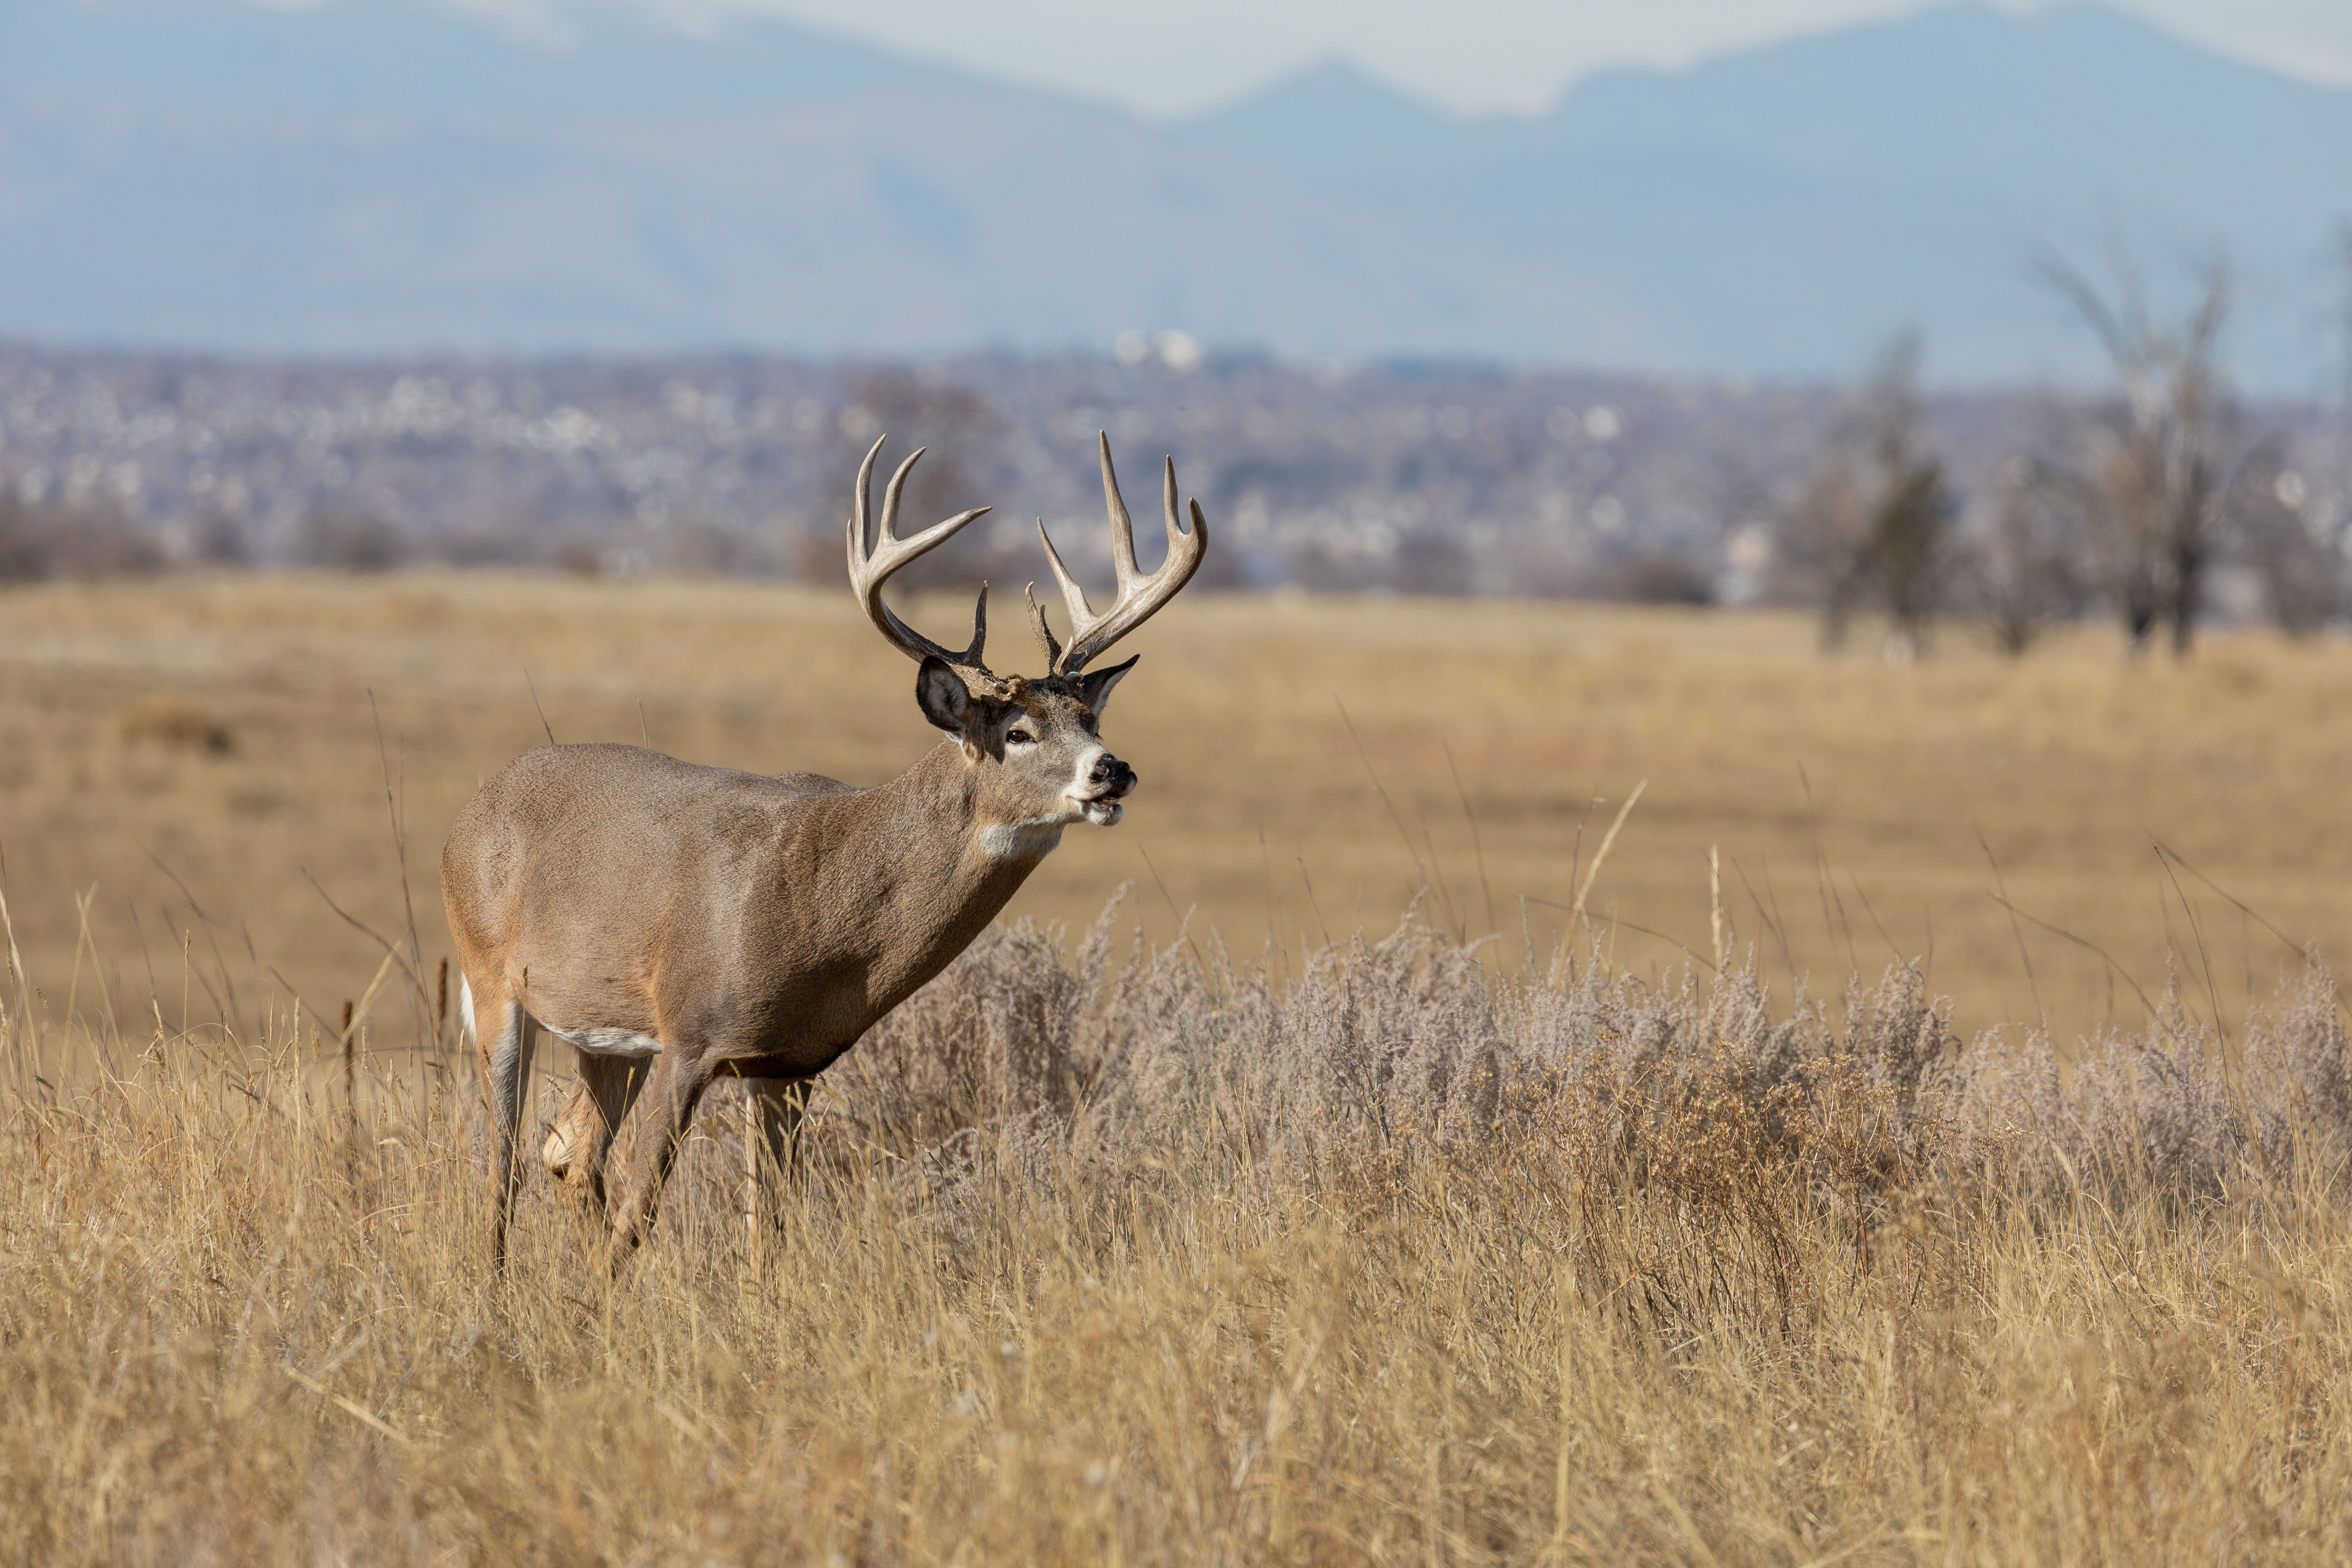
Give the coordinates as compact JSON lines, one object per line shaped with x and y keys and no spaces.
{"x":941,"y":694}
{"x":1093,"y":690}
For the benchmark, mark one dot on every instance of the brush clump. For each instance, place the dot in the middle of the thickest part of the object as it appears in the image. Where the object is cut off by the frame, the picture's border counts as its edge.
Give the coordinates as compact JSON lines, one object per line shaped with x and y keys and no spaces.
{"x":1150,"y":1255}
{"x":175,"y":723}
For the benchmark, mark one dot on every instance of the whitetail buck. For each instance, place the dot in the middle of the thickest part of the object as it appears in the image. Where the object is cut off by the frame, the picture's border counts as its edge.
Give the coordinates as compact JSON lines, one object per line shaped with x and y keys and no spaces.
{"x":675,"y":922}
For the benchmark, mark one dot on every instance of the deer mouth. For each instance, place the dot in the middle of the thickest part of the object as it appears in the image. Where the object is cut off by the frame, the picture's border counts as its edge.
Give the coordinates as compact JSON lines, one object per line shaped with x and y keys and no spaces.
{"x":1102,"y":783}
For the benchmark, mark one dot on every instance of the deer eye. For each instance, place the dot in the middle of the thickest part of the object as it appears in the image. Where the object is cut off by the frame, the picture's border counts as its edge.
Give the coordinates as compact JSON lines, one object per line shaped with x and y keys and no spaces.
{"x":1019,"y":738}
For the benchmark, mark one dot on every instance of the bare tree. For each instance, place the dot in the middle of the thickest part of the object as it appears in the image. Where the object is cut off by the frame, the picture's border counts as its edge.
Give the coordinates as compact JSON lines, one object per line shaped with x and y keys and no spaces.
{"x":1871,"y":528}
{"x":2157,"y":491}
{"x":2331,"y":514}
{"x":2289,"y":548}
{"x":2022,"y":572}
{"x":1820,"y":549}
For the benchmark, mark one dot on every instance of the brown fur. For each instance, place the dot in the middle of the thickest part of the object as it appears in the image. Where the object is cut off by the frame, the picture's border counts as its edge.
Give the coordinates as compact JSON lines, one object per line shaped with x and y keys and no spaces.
{"x":758,"y":925}
{"x":747,"y":923}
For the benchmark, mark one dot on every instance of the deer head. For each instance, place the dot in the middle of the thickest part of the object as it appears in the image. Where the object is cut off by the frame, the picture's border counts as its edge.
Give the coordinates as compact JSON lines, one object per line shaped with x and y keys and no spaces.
{"x":1034,"y":746}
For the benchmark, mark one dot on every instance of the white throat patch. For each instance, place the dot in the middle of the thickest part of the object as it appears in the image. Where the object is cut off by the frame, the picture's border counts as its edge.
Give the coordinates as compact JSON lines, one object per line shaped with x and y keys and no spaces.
{"x":1033,"y":839}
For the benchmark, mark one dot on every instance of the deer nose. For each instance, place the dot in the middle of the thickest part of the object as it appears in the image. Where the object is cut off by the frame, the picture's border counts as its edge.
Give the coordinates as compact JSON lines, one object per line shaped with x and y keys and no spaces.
{"x":1111,"y":775}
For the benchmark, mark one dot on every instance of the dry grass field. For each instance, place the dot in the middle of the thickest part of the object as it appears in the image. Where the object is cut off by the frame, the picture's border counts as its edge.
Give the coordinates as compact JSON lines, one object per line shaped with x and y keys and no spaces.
{"x":1256,"y":1241}
{"x":1851,"y":805}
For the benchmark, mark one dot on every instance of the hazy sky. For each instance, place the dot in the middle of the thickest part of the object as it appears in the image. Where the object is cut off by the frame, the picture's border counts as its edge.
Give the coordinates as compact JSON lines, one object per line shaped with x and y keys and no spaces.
{"x":1173,"y":58}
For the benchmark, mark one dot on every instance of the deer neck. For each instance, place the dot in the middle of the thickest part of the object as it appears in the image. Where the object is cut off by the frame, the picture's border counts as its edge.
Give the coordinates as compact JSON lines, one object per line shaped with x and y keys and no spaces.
{"x":956,"y":860}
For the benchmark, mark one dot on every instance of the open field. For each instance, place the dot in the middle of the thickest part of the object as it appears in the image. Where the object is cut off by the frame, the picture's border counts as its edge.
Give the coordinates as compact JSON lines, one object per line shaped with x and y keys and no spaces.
{"x":1531,"y":721}
{"x":1346,"y":1250}
{"x":1097,"y":1261}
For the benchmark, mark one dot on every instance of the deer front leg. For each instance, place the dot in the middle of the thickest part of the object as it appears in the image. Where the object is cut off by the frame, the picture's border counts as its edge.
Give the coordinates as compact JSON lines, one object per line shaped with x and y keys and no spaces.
{"x":587,"y":1134}
{"x":666,"y":1108}
{"x":773,"y":1108}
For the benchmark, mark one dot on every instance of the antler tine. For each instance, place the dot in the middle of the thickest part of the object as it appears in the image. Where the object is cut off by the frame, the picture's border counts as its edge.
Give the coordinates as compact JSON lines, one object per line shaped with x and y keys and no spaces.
{"x":872,"y":566}
{"x":1122,"y":526}
{"x":1038,"y":618}
{"x":1140,"y":593}
{"x":1082,"y":615}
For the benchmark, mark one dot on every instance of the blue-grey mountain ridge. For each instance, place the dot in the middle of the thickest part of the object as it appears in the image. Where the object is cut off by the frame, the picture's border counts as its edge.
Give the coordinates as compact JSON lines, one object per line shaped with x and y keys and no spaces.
{"x":379,"y":177}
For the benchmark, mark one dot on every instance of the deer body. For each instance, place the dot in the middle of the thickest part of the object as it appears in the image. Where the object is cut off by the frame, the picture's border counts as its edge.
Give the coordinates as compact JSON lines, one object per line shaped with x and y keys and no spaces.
{"x":674,"y":922}
{"x":788,"y":921}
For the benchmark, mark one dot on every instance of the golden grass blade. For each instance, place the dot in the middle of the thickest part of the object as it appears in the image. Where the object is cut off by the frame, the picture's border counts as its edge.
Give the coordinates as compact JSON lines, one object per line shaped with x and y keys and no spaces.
{"x":1593,"y":873}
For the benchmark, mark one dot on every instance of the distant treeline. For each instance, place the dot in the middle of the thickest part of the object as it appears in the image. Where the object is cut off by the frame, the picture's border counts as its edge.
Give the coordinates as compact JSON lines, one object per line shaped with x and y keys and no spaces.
{"x":1881,"y":502}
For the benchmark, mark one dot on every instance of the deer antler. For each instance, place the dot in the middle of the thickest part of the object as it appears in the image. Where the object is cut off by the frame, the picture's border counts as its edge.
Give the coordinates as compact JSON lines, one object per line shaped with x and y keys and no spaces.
{"x":1140,"y":592}
{"x":868,"y":570}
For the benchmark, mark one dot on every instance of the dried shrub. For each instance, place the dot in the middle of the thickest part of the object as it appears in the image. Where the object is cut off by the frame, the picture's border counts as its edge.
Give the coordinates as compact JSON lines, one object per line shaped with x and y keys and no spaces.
{"x":1661,"y":577}
{"x":40,"y":541}
{"x":177,"y":723}
{"x":1146,"y":1255}
{"x":352,"y":541}
{"x":1410,"y":1039}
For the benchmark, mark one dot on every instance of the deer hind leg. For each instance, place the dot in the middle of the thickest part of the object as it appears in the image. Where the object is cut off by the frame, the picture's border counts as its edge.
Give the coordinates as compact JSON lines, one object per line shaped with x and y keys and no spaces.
{"x":671,"y":1092}
{"x":504,"y":1036}
{"x":588,"y":1133}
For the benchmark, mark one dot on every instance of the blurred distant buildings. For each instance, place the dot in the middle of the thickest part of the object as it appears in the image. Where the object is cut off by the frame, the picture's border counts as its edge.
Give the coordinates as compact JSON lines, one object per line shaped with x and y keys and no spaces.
{"x":1437,"y":478}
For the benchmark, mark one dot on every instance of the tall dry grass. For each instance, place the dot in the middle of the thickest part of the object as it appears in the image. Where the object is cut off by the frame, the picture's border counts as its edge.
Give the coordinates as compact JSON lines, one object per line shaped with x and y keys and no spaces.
{"x":1316,"y":1248}
{"x":1142,"y":1253}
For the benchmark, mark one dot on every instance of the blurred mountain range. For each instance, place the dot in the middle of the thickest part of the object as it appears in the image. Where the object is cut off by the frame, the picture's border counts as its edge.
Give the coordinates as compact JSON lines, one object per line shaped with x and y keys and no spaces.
{"x":377,"y":176}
